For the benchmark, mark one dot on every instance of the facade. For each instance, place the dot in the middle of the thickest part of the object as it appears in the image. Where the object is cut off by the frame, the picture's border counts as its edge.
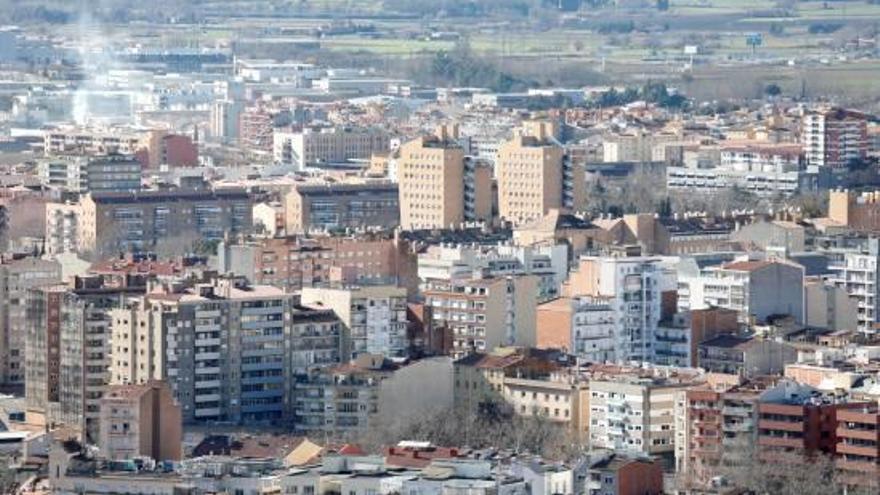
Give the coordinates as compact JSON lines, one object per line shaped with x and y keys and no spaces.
{"x":484,"y":313}
{"x":140,"y":420}
{"x":830,"y":306}
{"x":835,"y":137}
{"x":62,"y":227}
{"x":757,"y":290}
{"x":761,"y":183}
{"x":338,"y":206}
{"x":110,"y":222}
{"x":744,"y":356}
{"x":369,"y":392}
{"x":633,"y":414}
{"x":549,"y":262}
{"x":530,"y":382}
{"x":69,"y":352}
{"x":535,"y":175}
{"x":81,"y":174}
{"x":633,"y":286}
{"x":713,"y":425}
{"x":440,"y":186}
{"x":17,"y":277}
{"x":230,"y":351}
{"x":856,"y":272}
{"x":860,"y":212}
{"x":584,"y":326}
{"x":296,"y":262}
{"x":327,"y":146}
{"x":620,"y":475}
{"x":374,"y":317}
{"x":92,"y":141}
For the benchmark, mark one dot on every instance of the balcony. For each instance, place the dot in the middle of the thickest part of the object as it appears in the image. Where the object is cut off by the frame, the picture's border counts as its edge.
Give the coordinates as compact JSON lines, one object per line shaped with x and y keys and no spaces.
{"x":862,"y":450}
{"x":766,"y":424}
{"x":784,"y":442}
{"x":861,"y":434}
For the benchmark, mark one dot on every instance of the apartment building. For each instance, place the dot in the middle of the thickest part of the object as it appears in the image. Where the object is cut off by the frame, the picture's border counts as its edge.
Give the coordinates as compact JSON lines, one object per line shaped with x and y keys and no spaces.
{"x":858,"y":446}
{"x":714,"y":425}
{"x":834,"y":137}
{"x":455,"y":262}
{"x":744,"y":356}
{"x":763,"y":170}
{"x":69,"y":352}
{"x":374,"y":317}
{"x":536,"y":175}
{"x":62,"y":227}
{"x":637,"y":146}
{"x":584,"y":326}
{"x":860,"y":212}
{"x":328,"y":146}
{"x":796,"y":418}
{"x":295,"y":262}
{"x":755,"y":289}
{"x":633,"y":413}
{"x":484,"y":313}
{"x":369,"y":392}
{"x":439,"y":185}
{"x":856,"y":272}
{"x":140,"y":420}
{"x":337,"y":206}
{"x":92,"y":141}
{"x":113,"y":222}
{"x":679,"y":336}
{"x":616,"y":474}
{"x":80,"y":174}
{"x":231,"y":351}
{"x":633,"y":286}
{"x":530,"y":382}
{"x":17,"y":277}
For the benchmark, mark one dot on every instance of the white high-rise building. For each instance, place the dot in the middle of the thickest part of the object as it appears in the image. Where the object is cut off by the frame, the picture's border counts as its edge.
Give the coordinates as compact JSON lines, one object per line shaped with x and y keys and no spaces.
{"x":635,"y":286}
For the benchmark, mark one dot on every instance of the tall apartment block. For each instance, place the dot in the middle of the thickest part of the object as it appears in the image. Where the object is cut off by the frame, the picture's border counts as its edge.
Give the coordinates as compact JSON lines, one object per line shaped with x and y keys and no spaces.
{"x":834,"y":137}
{"x":69,"y":353}
{"x":231,"y":351}
{"x":374,"y":317}
{"x":17,"y":276}
{"x":484,"y":313}
{"x":439,"y":185}
{"x":634,"y":286}
{"x":535,"y":175}
{"x":110,"y":222}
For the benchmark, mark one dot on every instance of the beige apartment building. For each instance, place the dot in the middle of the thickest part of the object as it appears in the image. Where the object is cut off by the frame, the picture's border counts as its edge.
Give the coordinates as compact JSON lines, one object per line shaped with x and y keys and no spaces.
{"x":140,"y":420}
{"x":536,"y":175}
{"x":634,"y":413}
{"x":439,"y":185}
{"x":530,"y":384}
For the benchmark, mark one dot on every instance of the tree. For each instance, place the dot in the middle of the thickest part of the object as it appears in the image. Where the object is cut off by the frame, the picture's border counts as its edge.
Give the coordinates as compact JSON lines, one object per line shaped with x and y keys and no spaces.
{"x":772,"y":90}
